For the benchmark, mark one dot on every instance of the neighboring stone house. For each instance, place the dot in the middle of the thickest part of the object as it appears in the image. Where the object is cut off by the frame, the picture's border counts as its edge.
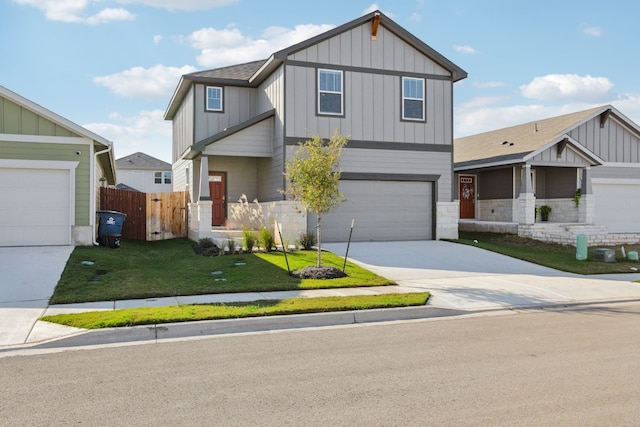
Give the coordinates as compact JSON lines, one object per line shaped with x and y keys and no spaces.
{"x":585,"y":166}
{"x":235,"y":127}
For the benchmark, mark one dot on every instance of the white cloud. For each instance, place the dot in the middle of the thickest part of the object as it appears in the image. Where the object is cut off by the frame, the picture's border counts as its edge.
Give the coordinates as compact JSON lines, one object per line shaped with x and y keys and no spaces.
{"x":416,"y":17}
{"x":107,"y":15}
{"x":553,"y":87}
{"x":488,"y":85}
{"x":157,"y":39}
{"x":74,"y":11}
{"x":157,"y":82}
{"x":465,"y":49}
{"x":592,"y":31}
{"x":147,"y":132}
{"x":229,"y":46}
{"x":371,"y":8}
{"x":187,"y":5}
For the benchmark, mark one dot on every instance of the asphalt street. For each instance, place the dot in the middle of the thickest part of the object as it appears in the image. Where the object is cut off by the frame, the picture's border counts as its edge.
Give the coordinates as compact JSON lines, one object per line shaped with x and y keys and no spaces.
{"x":533,"y":367}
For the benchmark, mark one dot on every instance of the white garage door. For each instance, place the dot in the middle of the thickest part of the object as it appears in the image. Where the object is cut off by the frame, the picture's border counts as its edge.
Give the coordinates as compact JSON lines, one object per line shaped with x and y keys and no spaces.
{"x":382,"y":210}
{"x":35,"y":207}
{"x":618,"y":205}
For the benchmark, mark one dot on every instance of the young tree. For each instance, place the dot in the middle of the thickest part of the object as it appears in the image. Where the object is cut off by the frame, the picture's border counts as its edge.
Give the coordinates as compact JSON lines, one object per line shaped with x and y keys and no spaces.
{"x":313,"y":177}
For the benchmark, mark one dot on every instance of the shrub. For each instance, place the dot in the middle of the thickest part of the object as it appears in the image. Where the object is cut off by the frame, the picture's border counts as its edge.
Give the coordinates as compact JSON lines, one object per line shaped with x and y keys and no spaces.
{"x":249,"y":237}
{"x":266,"y":239}
{"x":206,"y":247}
{"x":307,"y":241}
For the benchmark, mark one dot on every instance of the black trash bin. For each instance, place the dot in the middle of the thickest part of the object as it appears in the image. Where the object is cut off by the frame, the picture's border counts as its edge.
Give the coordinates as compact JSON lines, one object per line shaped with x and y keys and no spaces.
{"x":110,"y":228}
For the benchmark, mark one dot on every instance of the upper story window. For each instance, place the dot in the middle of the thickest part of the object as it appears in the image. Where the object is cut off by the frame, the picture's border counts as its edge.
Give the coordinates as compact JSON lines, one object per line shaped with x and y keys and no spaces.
{"x":214,"y":100}
{"x":162,"y":177}
{"x":412,"y":98}
{"x":330,"y":92}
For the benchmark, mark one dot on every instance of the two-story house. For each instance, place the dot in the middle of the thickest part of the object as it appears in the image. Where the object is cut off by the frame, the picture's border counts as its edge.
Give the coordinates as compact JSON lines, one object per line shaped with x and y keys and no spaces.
{"x":371,"y":80}
{"x":145,"y":173}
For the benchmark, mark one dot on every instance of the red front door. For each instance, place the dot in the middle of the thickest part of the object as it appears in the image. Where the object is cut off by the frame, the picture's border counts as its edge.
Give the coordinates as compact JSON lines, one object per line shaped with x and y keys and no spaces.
{"x":467,"y":196}
{"x":218,"y":193}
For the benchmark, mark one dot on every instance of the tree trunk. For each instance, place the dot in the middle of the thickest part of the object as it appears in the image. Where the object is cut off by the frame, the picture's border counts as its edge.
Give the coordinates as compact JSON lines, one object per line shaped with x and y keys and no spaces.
{"x":319,"y":236}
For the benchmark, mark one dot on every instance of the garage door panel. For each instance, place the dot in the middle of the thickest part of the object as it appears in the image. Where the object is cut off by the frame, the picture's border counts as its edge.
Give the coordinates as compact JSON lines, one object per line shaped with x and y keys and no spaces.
{"x":36,"y":208}
{"x":382,"y":210}
{"x":617,"y":207}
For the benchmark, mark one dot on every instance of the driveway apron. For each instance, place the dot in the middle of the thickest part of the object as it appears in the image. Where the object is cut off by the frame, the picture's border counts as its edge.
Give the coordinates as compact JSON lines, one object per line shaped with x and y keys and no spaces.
{"x":28,"y":278}
{"x":468,"y":278}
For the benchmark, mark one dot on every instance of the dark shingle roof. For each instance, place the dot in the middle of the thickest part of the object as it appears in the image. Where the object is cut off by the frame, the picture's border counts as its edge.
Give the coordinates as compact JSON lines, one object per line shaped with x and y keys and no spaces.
{"x":142,"y":161}
{"x":233,"y":72}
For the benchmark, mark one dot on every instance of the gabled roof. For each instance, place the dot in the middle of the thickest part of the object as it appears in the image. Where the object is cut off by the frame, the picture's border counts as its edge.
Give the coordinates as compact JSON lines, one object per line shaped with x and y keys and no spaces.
{"x":142,"y":161}
{"x":251,"y":74}
{"x":516,"y":144}
{"x":107,"y":163}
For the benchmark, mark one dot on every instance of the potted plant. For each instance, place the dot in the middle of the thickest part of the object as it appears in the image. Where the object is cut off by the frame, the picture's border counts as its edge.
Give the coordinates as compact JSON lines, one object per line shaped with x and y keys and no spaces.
{"x":544,"y":212}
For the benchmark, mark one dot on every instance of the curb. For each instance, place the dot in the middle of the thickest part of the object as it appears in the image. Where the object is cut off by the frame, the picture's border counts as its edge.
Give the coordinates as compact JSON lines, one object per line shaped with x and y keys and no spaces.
{"x":167,"y":331}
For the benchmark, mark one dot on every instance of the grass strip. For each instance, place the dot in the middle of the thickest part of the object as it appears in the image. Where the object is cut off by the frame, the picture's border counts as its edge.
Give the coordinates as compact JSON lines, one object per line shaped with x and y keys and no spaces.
{"x":187,"y":313}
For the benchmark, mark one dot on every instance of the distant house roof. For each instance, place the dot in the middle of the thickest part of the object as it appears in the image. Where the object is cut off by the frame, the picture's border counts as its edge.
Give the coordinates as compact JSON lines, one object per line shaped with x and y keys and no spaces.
{"x":141,"y":161}
{"x":516,"y":143}
{"x":251,"y":74}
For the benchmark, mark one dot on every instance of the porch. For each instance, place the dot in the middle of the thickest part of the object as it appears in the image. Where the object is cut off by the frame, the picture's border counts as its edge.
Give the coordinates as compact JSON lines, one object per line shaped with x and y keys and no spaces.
{"x":564,"y":233}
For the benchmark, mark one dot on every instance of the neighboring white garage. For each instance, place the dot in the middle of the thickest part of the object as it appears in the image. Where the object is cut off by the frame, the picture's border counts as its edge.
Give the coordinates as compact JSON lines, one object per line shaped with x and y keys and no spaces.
{"x":382,"y":210}
{"x":37,"y":207}
{"x":617,"y":204}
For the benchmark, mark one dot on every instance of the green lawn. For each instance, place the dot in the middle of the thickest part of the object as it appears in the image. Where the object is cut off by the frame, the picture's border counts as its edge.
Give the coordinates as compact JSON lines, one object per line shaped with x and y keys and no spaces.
{"x":153,"y":315}
{"x":168,"y":268}
{"x":560,"y":257}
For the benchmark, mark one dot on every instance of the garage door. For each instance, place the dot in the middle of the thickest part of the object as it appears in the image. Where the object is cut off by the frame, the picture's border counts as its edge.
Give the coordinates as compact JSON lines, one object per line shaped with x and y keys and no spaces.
{"x":382,"y":210}
{"x":35,"y":207}
{"x":617,"y":205}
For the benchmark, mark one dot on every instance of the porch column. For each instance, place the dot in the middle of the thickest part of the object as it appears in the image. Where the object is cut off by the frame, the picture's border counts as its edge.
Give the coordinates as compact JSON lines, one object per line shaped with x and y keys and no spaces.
{"x":204,"y":179}
{"x":526,"y":200}
{"x":587,"y":204}
{"x":203,"y":207}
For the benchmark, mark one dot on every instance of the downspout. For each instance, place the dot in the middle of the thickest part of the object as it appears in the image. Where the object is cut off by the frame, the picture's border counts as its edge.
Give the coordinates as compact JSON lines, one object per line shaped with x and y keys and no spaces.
{"x":93,"y":198}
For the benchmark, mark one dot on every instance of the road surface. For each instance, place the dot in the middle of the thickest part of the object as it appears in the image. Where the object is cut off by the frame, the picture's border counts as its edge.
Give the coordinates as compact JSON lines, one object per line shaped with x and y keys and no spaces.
{"x":553,"y":367}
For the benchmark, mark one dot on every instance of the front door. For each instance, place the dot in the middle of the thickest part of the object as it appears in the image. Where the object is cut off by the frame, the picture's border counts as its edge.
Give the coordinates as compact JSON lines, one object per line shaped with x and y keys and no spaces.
{"x":218,"y":193}
{"x":467,"y":196}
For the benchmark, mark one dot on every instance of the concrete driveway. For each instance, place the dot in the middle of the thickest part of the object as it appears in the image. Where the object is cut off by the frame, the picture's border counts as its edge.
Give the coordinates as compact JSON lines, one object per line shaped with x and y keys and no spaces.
{"x":468,"y":278}
{"x":28,"y":277}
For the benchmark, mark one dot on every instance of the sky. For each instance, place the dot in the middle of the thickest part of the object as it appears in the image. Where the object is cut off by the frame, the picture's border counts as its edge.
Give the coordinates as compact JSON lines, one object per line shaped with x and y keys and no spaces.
{"x":113,"y":65}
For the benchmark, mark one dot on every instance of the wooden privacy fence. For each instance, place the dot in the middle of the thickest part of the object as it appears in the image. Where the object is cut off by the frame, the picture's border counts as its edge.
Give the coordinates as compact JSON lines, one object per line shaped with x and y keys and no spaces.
{"x":150,"y":216}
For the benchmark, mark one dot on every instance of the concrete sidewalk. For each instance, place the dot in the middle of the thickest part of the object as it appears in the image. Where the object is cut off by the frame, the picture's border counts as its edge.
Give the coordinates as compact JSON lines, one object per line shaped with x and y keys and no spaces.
{"x":461,"y":279}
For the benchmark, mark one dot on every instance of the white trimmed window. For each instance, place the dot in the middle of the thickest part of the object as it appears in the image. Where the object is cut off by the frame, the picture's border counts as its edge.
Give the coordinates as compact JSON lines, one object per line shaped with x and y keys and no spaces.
{"x":162,"y":177}
{"x":330,"y":92}
{"x":412,"y":98}
{"x":214,"y":98}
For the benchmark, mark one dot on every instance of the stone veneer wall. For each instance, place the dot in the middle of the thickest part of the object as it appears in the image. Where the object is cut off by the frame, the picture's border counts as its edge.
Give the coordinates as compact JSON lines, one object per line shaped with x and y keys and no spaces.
{"x":567,"y":234}
{"x":562,"y":210}
{"x":495,"y":210}
{"x":447,"y":214}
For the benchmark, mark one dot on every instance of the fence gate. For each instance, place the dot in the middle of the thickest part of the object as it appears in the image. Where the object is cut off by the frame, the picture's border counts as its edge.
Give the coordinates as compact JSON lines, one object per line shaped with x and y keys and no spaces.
{"x":150,"y":216}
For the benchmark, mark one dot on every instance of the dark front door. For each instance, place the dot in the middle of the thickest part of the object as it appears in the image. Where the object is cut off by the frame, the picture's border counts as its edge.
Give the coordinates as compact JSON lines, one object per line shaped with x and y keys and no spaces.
{"x":218,"y":192}
{"x":467,"y":196}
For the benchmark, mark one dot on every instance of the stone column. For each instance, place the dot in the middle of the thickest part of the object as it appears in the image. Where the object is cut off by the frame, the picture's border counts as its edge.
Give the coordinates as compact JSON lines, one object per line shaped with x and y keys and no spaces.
{"x":587,"y":206}
{"x":526,"y":204}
